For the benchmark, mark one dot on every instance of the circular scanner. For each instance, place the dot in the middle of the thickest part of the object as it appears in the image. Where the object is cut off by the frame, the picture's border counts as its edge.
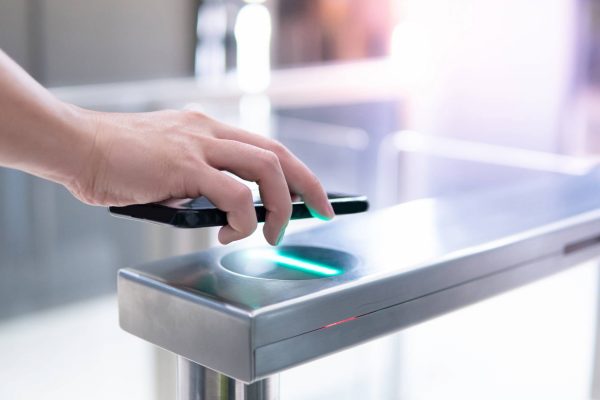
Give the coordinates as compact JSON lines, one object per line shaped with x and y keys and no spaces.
{"x":289,"y":262}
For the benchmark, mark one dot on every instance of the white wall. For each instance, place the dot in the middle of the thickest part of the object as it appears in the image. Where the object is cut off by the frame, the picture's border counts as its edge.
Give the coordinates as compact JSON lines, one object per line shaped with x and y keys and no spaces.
{"x":498,"y":70}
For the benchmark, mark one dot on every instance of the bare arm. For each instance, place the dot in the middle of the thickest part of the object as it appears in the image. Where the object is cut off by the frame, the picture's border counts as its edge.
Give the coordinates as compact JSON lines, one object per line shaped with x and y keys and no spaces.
{"x":120,"y":159}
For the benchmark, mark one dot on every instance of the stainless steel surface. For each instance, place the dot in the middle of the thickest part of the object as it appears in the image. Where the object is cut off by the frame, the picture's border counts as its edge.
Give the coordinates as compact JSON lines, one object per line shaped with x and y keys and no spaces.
{"x":417,"y":260}
{"x":195,"y":382}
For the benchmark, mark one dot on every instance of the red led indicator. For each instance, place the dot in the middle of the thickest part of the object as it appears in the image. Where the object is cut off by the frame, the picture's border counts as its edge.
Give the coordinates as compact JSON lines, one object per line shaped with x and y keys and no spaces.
{"x":340,"y":322}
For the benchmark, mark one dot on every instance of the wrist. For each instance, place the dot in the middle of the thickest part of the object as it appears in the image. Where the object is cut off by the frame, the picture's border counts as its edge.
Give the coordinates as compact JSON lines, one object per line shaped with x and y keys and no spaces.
{"x":66,"y":145}
{"x":39,"y":134}
{"x":79,"y":147}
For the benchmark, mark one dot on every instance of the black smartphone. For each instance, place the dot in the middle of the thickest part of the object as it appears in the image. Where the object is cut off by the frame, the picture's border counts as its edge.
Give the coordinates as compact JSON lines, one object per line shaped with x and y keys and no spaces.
{"x":201,"y":213}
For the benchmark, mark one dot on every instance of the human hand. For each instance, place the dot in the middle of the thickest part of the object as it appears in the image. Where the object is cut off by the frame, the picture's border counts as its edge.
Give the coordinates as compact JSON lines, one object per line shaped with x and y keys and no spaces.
{"x":149,"y":157}
{"x":121,"y":159}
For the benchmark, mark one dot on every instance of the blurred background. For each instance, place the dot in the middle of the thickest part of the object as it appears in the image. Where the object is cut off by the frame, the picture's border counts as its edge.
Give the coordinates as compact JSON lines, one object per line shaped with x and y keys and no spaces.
{"x":396,"y":99}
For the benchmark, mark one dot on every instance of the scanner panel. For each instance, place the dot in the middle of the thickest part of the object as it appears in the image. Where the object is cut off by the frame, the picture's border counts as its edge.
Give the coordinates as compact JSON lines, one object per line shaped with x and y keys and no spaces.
{"x":413,"y":262}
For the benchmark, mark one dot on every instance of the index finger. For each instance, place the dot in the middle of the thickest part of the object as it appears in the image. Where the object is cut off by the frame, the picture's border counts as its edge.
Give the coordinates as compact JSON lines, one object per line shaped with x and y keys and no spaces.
{"x":300,"y":179}
{"x":263,"y":167}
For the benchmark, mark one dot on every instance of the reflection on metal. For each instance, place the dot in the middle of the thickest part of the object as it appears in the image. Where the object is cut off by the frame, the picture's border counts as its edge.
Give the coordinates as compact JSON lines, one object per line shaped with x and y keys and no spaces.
{"x":195,"y":382}
{"x":471,"y":247}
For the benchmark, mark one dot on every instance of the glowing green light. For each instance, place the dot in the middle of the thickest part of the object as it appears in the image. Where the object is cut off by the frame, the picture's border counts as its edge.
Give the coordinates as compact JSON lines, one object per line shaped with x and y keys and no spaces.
{"x":298,"y":263}
{"x":316,"y":215}
{"x":303,"y":265}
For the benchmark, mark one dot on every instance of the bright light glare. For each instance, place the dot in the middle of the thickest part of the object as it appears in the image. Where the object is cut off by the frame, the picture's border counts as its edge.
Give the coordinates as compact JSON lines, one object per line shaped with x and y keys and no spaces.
{"x":411,"y":52}
{"x":255,"y":113}
{"x":253,"y":37}
{"x":296,"y":263}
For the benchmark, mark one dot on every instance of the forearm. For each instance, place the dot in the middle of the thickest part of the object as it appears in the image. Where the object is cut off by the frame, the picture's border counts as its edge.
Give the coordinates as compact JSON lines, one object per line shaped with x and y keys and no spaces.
{"x":120,"y":159}
{"x":38,"y":133}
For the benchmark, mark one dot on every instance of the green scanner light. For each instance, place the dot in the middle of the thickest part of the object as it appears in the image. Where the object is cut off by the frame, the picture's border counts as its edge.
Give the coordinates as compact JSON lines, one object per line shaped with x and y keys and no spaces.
{"x":297,"y":263}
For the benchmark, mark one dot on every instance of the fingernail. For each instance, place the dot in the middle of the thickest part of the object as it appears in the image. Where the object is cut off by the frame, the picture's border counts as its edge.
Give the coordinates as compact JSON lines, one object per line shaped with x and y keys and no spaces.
{"x":280,"y":237}
{"x":331,"y":212}
{"x":317,"y":215}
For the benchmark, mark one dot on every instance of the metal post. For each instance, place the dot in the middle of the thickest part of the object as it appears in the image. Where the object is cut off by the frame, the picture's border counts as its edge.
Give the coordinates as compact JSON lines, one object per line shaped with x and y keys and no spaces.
{"x":195,"y":382}
{"x":595,"y":389}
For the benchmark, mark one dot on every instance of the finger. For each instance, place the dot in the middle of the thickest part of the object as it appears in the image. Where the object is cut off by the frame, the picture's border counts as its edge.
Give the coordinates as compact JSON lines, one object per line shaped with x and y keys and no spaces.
{"x":299,"y":177}
{"x":263,"y":167}
{"x":235,"y":199}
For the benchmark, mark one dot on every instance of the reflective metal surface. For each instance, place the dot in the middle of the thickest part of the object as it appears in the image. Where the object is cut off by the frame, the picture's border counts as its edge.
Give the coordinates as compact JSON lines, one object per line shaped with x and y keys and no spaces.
{"x":416,"y":261}
{"x":195,"y":382}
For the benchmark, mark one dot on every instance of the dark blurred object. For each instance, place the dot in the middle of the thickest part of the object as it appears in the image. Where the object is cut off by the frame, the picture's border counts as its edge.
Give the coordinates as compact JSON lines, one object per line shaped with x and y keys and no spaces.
{"x":593,"y":67}
{"x":313,"y":31}
{"x":586,"y":121}
{"x":215,"y":45}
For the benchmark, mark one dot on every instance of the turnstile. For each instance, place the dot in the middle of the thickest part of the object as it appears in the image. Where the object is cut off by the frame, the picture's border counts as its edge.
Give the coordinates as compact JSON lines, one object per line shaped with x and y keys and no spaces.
{"x":237,"y":316}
